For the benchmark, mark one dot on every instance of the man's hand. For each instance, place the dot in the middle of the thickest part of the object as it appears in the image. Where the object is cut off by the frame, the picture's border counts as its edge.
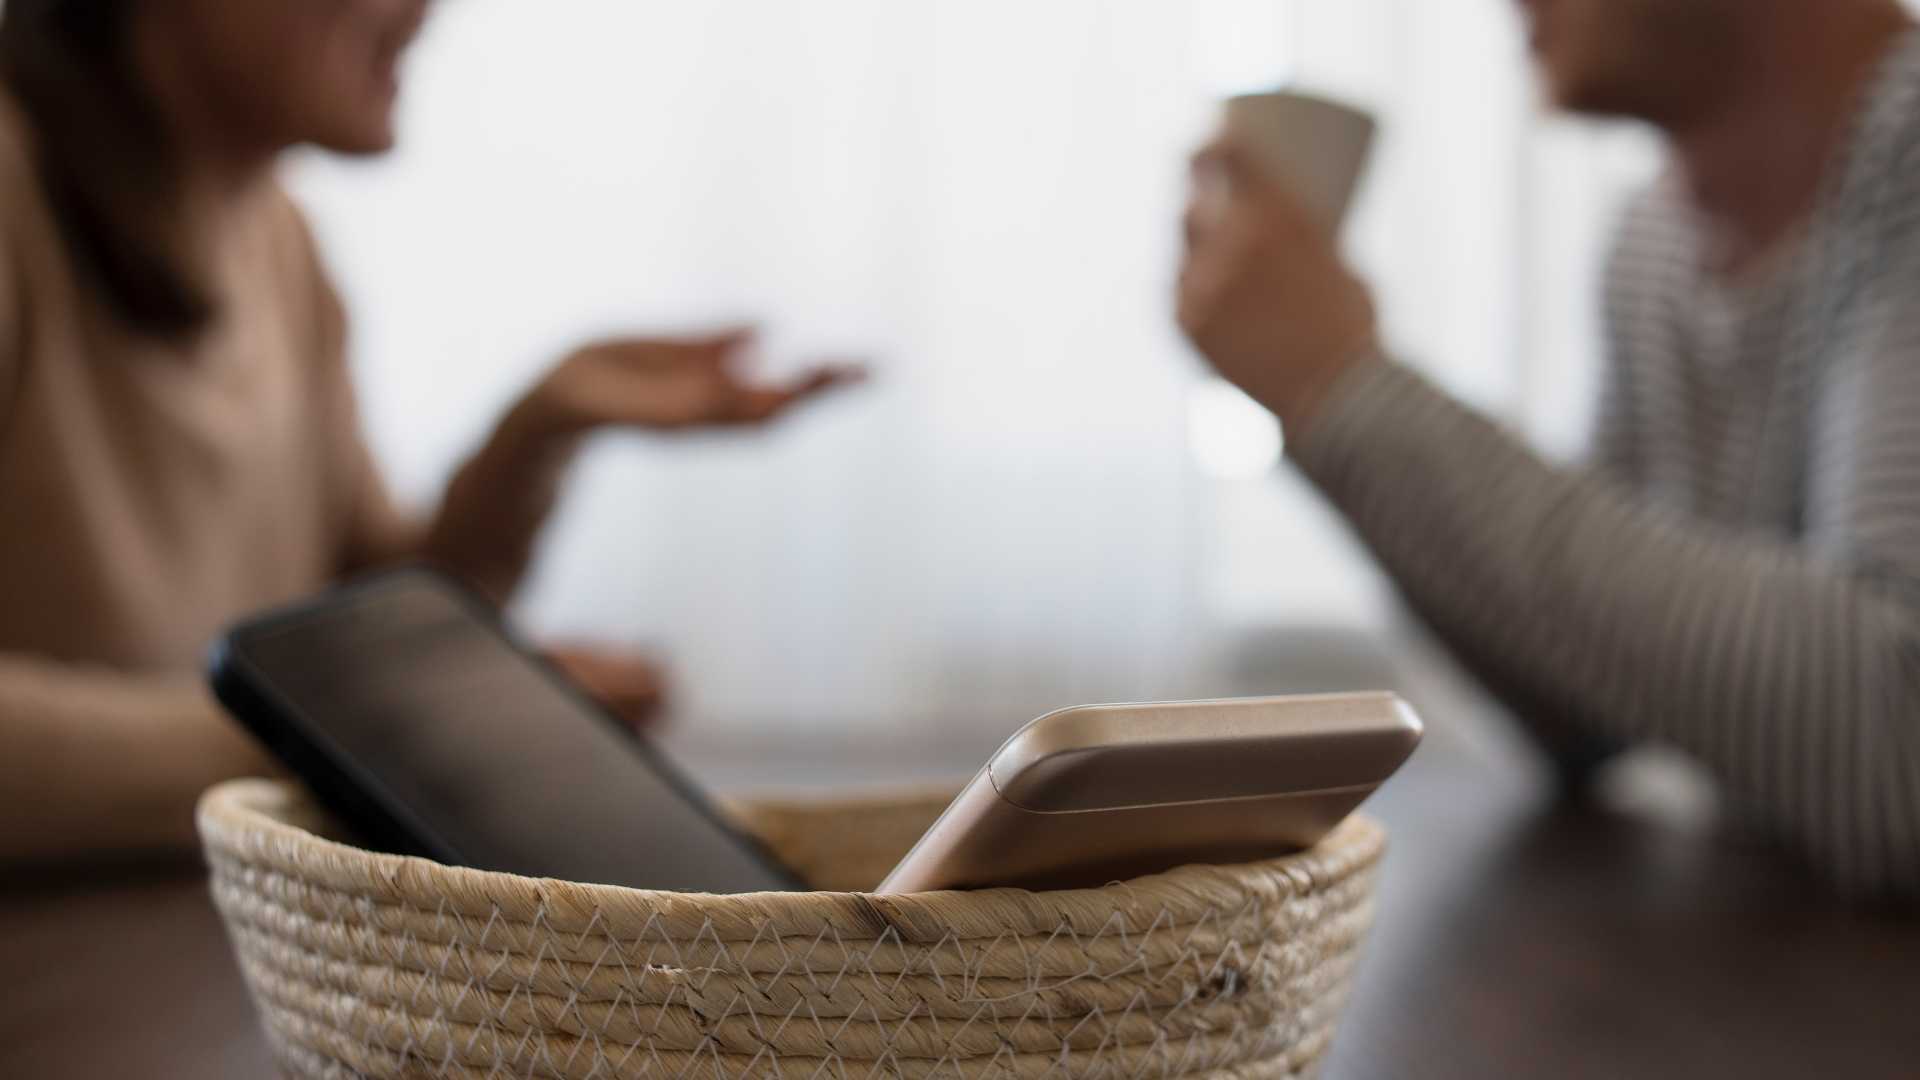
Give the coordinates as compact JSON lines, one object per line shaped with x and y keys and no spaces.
{"x":663,"y":384}
{"x":630,"y":685}
{"x":1263,"y":292}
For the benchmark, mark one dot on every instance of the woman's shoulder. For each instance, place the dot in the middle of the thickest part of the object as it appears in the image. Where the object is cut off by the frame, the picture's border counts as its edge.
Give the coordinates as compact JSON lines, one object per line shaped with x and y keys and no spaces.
{"x":288,"y":222}
{"x":301,"y":266}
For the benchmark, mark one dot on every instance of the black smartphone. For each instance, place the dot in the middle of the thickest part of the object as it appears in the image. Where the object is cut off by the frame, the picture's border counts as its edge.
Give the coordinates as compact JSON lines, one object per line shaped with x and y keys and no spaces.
{"x":420,"y":721}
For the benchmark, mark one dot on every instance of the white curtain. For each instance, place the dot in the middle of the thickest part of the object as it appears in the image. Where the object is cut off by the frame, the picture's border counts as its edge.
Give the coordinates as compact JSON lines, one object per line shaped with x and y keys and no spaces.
{"x":1039,"y":499}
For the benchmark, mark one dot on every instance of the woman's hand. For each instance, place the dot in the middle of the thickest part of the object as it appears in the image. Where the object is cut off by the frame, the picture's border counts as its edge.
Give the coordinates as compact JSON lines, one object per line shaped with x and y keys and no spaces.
{"x":495,"y":506}
{"x":630,"y":685}
{"x":663,"y":385}
{"x":1263,"y":293}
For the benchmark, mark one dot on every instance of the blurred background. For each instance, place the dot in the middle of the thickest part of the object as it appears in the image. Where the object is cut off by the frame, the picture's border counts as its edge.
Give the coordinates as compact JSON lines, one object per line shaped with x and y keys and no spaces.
{"x":1039,"y":500}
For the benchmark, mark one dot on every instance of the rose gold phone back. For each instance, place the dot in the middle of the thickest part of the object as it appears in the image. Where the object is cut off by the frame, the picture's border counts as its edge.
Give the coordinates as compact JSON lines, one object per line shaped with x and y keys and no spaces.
{"x":1099,"y":793}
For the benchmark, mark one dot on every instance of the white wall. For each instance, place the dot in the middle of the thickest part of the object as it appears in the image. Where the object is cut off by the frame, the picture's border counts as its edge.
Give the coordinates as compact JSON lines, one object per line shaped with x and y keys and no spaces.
{"x":981,"y":196}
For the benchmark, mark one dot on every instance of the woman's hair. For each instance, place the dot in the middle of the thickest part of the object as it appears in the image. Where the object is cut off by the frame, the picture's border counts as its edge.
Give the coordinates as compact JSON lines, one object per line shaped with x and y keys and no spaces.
{"x":104,"y":159}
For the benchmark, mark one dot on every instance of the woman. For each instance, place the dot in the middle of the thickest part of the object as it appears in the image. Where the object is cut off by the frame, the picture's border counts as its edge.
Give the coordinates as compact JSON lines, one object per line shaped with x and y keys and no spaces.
{"x":178,"y":441}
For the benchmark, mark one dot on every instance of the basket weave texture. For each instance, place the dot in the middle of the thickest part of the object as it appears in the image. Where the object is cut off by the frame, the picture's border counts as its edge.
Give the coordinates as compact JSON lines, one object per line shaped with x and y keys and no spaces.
{"x":364,"y":964}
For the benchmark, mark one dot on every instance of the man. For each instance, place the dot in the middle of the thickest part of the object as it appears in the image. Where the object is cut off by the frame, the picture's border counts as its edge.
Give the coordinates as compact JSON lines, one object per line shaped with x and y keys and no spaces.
{"x":1737,"y":571}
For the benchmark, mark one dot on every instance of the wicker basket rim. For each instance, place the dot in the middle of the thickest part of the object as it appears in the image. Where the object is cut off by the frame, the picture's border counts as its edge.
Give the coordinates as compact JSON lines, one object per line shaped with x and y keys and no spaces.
{"x":249,"y":820}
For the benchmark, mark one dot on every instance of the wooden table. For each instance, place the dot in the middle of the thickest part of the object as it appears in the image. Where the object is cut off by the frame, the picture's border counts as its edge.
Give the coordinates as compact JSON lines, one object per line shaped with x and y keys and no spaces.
{"x":1514,"y":938}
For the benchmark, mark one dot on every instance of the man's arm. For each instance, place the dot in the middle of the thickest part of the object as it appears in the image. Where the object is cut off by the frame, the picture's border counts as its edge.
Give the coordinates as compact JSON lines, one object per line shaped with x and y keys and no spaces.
{"x":94,"y":762}
{"x":1574,"y":750}
{"x":1792,"y":670}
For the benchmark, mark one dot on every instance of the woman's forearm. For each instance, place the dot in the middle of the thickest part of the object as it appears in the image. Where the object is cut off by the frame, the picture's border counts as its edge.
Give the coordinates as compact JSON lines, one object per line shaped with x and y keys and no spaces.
{"x":494,"y":508}
{"x":489,"y":518}
{"x":97,"y":763}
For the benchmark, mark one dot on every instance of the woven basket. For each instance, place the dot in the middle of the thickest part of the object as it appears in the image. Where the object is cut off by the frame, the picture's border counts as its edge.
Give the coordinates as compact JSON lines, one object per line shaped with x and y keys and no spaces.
{"x":364,"y":964}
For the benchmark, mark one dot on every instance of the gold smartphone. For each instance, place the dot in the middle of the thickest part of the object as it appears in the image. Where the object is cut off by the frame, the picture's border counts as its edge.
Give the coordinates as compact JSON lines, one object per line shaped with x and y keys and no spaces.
{"x":1100,"y":793}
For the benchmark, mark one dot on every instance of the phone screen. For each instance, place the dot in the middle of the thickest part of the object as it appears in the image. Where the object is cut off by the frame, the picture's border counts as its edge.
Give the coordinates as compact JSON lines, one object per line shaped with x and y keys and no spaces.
{"x":450,"y":728}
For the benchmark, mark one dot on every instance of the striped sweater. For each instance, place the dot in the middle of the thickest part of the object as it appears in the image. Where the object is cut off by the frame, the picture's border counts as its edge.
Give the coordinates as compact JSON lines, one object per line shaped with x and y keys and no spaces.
{"x":1736,"y":572}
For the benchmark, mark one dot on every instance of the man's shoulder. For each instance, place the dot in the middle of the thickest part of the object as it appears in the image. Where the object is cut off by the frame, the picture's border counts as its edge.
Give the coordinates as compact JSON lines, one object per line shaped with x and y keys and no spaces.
{"x":1874,"y":192}
{"x":1656,"y":215}
{"x":1654,"y":242}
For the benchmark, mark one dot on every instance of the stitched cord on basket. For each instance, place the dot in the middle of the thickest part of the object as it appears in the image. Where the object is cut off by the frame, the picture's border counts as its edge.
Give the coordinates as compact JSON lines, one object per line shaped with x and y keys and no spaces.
{"x":371,"y":965}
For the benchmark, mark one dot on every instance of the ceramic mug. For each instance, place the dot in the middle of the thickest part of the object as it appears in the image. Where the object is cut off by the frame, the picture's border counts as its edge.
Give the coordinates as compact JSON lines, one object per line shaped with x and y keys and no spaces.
{"x":1317,"y":146}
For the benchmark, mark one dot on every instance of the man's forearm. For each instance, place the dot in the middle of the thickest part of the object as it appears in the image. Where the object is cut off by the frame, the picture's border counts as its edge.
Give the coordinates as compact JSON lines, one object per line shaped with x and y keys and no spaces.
{"x":1787,"y":676}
